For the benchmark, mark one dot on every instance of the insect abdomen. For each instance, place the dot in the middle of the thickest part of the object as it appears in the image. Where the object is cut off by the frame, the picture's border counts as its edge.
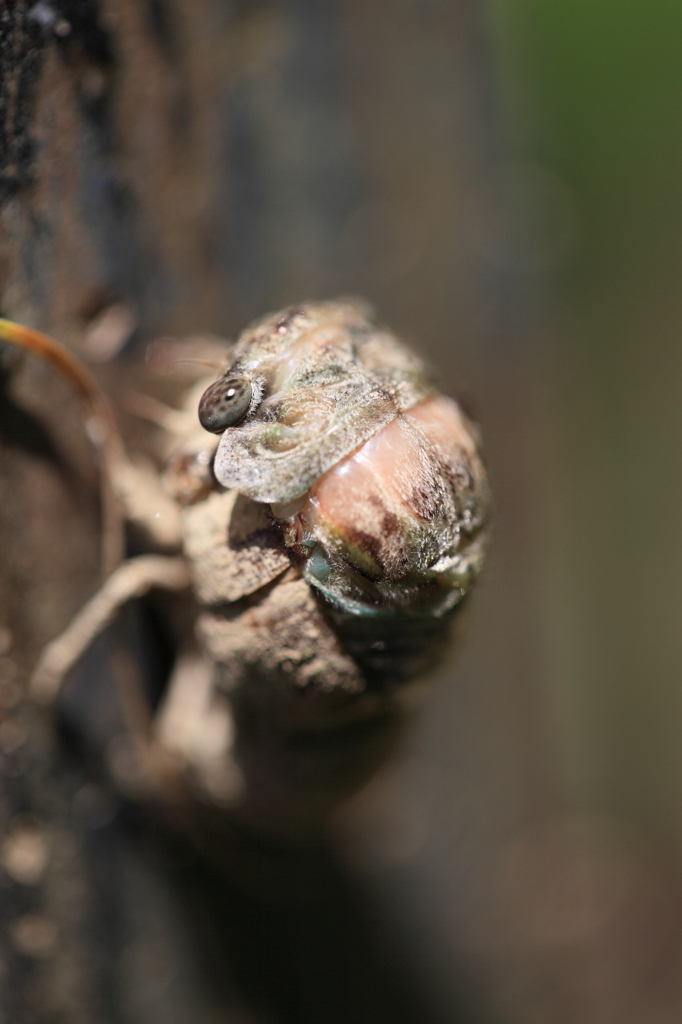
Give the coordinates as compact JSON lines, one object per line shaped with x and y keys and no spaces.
{"x":397,"y":531}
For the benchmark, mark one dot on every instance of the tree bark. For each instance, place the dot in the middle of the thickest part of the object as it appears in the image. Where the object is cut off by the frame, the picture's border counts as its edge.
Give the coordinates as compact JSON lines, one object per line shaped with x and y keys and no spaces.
{"x":193,"y":163}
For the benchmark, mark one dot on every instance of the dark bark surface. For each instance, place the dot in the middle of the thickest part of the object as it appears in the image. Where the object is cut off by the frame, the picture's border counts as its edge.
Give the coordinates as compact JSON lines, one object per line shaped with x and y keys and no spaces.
{"x":199,"y":163}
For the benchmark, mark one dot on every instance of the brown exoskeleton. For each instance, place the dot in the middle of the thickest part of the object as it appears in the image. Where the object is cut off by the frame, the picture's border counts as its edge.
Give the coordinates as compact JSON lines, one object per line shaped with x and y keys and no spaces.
{"x":329,"y":515}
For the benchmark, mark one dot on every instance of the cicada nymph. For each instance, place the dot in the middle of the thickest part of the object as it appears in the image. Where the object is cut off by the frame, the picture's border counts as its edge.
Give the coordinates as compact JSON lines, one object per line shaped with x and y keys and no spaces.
{"x":373,"y":476}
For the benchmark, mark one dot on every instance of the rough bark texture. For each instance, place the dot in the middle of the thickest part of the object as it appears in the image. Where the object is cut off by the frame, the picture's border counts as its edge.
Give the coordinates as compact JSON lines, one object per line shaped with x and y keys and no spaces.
{"x":197,"y":162}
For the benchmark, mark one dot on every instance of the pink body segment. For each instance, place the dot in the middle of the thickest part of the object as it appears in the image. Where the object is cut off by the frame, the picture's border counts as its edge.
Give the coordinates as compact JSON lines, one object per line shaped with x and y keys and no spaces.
{"x":393,"y":479}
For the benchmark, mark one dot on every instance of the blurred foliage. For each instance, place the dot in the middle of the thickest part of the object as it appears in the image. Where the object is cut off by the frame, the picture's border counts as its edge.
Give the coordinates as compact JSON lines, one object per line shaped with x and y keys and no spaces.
{"x":594,"y":93}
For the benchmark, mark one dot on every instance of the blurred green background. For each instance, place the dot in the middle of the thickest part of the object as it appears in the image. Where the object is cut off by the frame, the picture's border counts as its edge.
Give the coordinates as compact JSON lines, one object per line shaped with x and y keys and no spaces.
{"x":594,"y":93}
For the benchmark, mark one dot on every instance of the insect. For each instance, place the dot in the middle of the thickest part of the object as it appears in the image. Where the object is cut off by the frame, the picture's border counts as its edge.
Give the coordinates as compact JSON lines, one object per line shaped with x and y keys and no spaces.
{"x":328,"y":510}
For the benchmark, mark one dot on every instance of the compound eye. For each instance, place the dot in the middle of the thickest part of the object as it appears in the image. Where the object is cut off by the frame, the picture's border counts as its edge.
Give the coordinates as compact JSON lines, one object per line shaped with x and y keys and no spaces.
{"x":225,"y":403}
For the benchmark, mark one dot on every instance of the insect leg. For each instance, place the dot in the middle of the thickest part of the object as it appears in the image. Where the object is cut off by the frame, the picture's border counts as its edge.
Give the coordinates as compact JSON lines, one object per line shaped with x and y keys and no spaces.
{"x":196,"y":723}
{"x":133,"y":578}
{"x":146,"y":504}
